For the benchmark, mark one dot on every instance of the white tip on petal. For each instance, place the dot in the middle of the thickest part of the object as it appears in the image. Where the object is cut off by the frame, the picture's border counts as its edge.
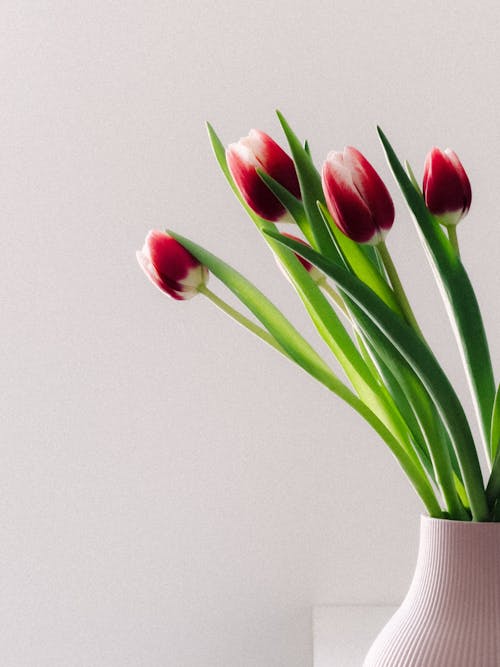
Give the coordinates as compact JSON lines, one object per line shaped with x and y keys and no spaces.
{"x":335,"y":157}
{"x":244,"y":152}
{"x":254,"y":142}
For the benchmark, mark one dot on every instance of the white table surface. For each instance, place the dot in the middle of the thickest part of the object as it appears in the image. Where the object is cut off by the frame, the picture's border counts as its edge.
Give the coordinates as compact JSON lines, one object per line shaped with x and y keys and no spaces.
{"x":343,"y":634}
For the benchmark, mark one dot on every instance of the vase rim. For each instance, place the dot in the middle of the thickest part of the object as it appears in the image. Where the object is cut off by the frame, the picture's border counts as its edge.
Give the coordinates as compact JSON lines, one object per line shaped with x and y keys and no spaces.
{"x":425,"y":518}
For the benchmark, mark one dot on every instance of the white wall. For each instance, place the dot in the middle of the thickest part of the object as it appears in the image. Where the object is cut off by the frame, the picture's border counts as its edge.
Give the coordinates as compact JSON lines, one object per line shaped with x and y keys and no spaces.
{"x":173,"y":493}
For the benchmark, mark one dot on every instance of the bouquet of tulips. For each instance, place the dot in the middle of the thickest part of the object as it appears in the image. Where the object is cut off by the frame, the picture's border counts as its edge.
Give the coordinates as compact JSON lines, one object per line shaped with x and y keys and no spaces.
{"x":342,"y":271}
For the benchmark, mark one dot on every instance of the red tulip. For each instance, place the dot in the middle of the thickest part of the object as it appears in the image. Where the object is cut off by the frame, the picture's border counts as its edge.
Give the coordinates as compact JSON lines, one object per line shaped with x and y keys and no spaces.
{"x":314,"y":272}
{"x":259,"y":151}
{"x":170,"y":266}
{"x":357,"y":199}
{"x":446,"y":186}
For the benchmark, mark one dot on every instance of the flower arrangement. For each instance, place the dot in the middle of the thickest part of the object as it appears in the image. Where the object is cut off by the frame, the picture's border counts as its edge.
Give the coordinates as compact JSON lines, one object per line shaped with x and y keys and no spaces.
{"x":343,"y":272}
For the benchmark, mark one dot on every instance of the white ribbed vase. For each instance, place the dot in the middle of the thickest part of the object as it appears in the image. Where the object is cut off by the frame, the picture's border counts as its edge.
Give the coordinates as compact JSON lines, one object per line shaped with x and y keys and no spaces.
{"x":451,"y":614}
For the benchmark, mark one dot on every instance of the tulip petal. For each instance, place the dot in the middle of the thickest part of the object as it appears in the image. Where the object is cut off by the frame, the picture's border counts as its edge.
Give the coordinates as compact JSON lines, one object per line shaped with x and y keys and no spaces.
{"x":259,"y":151}
{"x":371,"y":187}
{"x":274,"y":160}
{"x":242,"y":164}
{"x":149,"y":270}
{"x":170,"y":266}
{"x":446,"y":189}
{"x":344,"y":201}
{"x":454,"y":160}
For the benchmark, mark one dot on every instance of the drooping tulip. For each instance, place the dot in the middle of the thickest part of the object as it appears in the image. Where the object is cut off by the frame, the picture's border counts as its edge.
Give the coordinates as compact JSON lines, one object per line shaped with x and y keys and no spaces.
{"x":170,"y":266}
{"x":356,"y":196}
{"x":446,"y":186}
{"x":259,"y":151}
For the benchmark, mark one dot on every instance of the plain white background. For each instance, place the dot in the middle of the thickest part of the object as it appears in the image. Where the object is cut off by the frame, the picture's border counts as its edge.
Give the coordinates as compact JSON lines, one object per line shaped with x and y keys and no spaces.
{"x":174,"y":494}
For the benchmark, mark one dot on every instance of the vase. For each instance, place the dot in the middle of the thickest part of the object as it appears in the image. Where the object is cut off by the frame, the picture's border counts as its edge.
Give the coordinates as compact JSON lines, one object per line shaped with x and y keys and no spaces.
{"x":451,"y":614}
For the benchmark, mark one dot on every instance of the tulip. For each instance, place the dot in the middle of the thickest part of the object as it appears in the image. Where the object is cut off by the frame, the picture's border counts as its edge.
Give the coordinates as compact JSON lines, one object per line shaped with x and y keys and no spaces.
{"x":259,"y":151}
{"x":171,"y":267}
{"x":357,"y":199}
{"x":446,"y":186}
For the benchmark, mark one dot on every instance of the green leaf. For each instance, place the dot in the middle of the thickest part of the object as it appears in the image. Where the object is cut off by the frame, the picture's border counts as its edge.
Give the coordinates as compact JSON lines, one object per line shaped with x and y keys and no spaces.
{"x":293,"y":205}
{"x":412,"y":177}
{"x":336,"y":337}
{"x":358,"y":262}
{"x":403,"y":403}
{"x":495,"y":425}
{"x":267,"y":313}
{"x":458,"y":294}
{"x":324,"y":317}
{"x":220,"y":154}
{"x":434,"y":444}
{"x":417,"y":409}
{"x":421,"y":360}
{"x":300,"y":351}
{"x":322,"y":314}
{"x":311,"y":189}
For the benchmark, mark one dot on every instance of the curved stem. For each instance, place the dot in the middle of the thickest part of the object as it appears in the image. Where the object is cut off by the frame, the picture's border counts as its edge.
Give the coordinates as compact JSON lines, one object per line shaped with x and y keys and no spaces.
{"x":397,"y":285}
{"x":324,"y":284}
{"x":241,"y":319}
{"x":411,"y":467}
{"x":410,"y":464}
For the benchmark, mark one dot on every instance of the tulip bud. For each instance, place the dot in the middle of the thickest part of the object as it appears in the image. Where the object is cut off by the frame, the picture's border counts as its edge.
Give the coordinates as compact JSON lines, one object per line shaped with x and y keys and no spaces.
{"x":170,"y":266}
{"x":259,"y":151}
{"x":357,"y":199}
{"x":314,"y":272}
{"x":446,"y":186}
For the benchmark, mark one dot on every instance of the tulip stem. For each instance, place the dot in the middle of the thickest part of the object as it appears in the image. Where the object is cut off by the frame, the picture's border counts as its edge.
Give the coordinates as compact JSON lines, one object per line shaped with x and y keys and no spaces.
{"x":397,"y":286}
{"x":323,"y":282}
{"x":452,"y":235}
{"x":411,"y":467}
{"x":241,"y":319}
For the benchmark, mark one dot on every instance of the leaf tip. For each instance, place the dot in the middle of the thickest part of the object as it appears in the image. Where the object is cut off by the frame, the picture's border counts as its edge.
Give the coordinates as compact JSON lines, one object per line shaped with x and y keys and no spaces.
{"x":282,"y":121}
{"x":381,"y":133}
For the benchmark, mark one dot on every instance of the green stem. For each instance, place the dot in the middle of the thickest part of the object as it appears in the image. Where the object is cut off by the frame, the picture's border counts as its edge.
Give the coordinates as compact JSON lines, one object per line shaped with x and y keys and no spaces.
{"x":443,"y":469}
{"x":401,"y":434}
{"x":390,"y":267}
{"x":410,"y":465}
{"x":325,"y":285}
{"x":241,"y":319}
{"x":412,"y":177}
{"x":412,"y":469}
{"x":452,"y":235}
{"x":435,"y":446}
